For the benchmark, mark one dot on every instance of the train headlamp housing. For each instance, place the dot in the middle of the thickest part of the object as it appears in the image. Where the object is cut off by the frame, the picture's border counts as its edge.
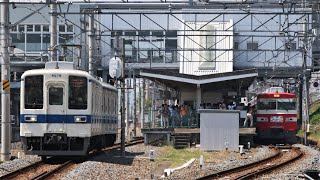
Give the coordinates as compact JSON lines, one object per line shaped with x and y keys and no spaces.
{"x":262,"y":119}
{"x":291,"y":119}
{"x":80,"y":119}
{"x":30,"y":118}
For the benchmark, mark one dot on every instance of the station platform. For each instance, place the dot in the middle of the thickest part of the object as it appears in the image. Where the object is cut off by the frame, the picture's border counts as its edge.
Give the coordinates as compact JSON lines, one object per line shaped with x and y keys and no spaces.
{"x":247,"y":131}
{"x":246,"y":134}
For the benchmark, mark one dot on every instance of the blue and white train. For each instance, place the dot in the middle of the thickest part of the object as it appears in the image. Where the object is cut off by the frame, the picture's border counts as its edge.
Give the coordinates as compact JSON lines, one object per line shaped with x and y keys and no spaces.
{"x":65,"y":111}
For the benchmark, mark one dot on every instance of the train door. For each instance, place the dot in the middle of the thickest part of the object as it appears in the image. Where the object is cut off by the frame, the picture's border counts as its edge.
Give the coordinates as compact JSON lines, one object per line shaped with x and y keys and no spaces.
{"x":56,"y":111}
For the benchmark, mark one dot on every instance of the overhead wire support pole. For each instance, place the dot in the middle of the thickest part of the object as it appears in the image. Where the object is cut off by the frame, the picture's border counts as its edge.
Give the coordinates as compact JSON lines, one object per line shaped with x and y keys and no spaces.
{"x":5,"y":78}
{"x":134,"y":105}
{"x":127,"y":99}
{"x":142,"y":102}
{"x":91,"y":44}
{"x":305,"y":83}
{"x":53,"y":30}
{"x":123,"y":109}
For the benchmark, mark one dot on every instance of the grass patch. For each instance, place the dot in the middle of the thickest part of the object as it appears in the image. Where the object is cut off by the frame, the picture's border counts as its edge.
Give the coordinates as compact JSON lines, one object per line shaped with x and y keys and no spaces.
{"x":315,"y":132}
{"x":315,"y":136}
{"x":180,"y":156}
{"x":314,"y":107}
{"x":315,"y":119}
{"x":314,"y":113}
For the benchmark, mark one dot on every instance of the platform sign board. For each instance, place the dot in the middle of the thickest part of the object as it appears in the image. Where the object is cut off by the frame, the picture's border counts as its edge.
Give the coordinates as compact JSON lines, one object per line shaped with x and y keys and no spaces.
{"x":115,"y":67}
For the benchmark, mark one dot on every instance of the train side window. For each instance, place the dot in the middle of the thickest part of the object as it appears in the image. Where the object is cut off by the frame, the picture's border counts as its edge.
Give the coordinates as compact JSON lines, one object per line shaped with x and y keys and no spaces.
{"x":55,"y":95}
{"x":78,"y":92}
{"x":33,"y":96}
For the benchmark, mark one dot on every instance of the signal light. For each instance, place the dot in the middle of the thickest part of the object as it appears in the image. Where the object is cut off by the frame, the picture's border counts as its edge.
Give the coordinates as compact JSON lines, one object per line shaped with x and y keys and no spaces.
{"x":315,"y":84}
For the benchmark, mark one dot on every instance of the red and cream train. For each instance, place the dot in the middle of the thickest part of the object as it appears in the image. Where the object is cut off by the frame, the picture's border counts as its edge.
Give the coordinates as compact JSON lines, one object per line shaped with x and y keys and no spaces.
{"x":276,"y":116}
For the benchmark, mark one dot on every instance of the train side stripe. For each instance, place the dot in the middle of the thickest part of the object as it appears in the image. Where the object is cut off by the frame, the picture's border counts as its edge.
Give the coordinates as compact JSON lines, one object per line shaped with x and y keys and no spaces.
{"x":54,"y":118}
{"x":69,"y":119}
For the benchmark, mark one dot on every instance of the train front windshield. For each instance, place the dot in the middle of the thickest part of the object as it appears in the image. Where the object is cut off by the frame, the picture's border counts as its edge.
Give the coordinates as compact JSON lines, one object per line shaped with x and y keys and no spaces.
{"x":276,"y":104}
{"x":33,"y":92}
{"x":78,"y":92}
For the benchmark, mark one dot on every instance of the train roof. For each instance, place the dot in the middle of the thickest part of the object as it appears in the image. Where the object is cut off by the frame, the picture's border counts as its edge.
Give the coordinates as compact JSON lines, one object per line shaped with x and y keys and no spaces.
{"x":277,"y":95}
{"x":65,"y":70}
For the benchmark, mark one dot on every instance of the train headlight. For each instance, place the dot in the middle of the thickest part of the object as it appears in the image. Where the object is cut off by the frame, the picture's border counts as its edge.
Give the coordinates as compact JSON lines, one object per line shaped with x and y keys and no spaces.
{"x":30,"y":118}
{"x":262,"y":119}
{"x":291,"y":119}
{"x":80,"y":119}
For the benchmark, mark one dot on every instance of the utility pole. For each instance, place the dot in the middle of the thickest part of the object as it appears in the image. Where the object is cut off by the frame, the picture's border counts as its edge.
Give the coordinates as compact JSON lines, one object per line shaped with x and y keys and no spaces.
{"x":53,"y":30}
{"x":153,"y":104}
{"x":91,"y":44}
{"x":142,"y":102}
{"x":305,"y":83}
{"x":139,"y":88}
{"x":134,"y":105}
{"x":5,"y":78}
{"x":127,"y":106}
{"x":123,"y":109}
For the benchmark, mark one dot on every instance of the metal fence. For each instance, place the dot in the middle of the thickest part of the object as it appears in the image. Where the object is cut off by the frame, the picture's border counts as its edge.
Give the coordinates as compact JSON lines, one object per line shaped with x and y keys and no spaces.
{"x":154,"y":119}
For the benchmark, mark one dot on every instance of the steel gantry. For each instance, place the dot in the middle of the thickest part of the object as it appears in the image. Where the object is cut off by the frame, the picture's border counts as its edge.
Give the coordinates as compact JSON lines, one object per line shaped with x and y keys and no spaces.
{"x":263,"y":34}
{"x":274,"y":29}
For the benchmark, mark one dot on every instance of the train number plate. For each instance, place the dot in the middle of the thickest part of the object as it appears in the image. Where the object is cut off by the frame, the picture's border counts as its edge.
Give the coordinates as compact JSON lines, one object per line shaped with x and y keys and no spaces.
{"x":56,"y":75}
{"x":277,"y":119}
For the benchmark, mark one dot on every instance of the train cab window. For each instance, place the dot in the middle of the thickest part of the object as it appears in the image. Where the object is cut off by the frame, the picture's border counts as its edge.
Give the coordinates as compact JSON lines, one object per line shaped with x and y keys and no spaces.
{"x":78,"y":92}
{"x":264,"y":104}
{"x":33,"y":92}
{"x":55,"y":95}
{"x":286,"y":104}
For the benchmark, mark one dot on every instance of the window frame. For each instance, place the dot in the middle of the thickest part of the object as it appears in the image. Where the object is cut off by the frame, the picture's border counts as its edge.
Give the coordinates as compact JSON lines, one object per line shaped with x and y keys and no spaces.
{"x":84,"y":95}
{"x":252,"y":45}
{"x":37,"y":91}
{"x":58,"y":99}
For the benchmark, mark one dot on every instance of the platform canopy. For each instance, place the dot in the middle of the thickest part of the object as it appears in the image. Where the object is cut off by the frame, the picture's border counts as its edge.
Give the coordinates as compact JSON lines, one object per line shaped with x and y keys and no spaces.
{"x":171,"y":78}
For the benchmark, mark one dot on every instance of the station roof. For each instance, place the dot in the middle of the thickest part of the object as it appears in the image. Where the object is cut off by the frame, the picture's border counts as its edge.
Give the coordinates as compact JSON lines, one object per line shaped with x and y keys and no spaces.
{"x":175,"y":79}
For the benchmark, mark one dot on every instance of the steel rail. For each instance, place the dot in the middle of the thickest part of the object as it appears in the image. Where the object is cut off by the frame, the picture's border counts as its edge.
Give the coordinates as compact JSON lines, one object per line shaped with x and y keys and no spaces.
{"x":271,"y":167}
{"x":251,"y":165}
{"x":47,"y":174}
{"x":232,"y":170}
{"x":13,"y":174}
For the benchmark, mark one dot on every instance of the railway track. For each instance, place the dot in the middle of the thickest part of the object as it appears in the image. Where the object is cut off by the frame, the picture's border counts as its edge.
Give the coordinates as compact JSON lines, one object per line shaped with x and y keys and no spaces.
{"x":281,"y":158}
{"x":41,"y":170}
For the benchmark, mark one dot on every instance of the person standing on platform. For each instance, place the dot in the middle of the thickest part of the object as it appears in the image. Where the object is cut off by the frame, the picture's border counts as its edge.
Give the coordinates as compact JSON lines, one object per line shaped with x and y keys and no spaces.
{"x":173,"y":115}
{"x":183,"y":114}
{"x":160,"y":115}
{"x":249,"y":116}
{"x":165,"y":115}
{"x":222,"y":105}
